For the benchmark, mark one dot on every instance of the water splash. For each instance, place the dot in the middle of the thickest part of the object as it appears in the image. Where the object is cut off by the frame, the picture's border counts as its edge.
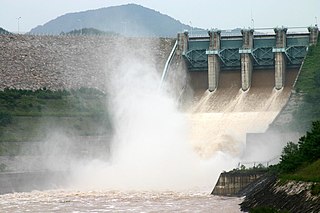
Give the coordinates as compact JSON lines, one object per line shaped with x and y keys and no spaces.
{"x":150,"y":149}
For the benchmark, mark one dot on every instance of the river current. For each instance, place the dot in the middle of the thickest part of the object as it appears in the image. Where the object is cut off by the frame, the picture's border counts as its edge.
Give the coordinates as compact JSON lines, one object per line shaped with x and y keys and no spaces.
{"x":116,"y":201}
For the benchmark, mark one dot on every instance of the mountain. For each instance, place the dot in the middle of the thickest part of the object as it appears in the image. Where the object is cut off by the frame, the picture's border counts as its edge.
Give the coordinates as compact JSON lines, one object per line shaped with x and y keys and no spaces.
{"x":129,"y":20}
{"x":3,"y":31}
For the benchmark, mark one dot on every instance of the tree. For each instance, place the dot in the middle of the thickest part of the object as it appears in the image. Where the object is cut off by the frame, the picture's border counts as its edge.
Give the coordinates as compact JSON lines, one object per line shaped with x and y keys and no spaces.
{"x":290,"y":158}
{"x":309,"y":145}
{"x":306,"y":151}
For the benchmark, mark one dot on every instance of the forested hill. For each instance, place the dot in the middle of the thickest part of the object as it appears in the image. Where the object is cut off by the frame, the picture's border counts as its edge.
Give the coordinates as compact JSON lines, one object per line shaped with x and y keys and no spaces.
{"x":130,"y":20}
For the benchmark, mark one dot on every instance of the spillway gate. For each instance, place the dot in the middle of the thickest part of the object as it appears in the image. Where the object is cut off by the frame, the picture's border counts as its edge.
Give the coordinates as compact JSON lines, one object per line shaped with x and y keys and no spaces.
{"x":245,"y":51}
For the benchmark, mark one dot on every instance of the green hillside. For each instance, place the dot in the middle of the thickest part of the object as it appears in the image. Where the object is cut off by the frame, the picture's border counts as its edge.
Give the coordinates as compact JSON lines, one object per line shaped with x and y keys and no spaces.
{"x":30,"y":115}
{"x":308,"y":85}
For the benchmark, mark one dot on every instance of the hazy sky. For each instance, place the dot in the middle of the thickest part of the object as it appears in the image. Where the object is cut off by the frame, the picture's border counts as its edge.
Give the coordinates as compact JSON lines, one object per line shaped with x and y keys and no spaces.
{"x":223,"y":14}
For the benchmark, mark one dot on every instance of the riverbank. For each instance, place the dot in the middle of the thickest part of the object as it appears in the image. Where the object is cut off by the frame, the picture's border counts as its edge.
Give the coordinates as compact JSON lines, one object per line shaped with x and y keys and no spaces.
{"x":291,"y":196}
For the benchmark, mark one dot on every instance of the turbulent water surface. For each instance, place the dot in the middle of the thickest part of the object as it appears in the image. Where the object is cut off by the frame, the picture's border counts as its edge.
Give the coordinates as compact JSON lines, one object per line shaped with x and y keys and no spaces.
{"x":116,"y":201}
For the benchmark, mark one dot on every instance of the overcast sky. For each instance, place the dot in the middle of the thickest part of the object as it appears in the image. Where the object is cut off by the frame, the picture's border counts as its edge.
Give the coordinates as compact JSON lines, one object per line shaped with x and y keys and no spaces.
{"x":223,"y":14}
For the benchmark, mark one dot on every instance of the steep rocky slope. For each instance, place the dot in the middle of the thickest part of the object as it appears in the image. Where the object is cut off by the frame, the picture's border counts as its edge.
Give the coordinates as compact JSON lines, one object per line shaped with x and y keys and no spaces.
{"x":57,"y":62}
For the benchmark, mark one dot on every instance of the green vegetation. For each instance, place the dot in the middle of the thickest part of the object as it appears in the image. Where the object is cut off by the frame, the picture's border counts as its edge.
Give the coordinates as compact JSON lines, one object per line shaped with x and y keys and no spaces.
{"x":308,"y":84}
{"x":90,"y":31}
{"x":255,"y":168}
{"x":5,"y":118}
{"x":301,"y":161}
{"x":51,"y":103}
{"x":266,"y":210}
{"x":28,"y":115}
{"x":307,"y":173}
{"x":315,"y":189}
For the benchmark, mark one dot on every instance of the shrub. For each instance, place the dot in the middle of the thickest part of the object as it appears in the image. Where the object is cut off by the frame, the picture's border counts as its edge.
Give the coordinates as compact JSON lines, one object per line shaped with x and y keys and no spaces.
{"x":315,"y":189}
{"x":3,"y":167}
{"x":306,"y":151}
{"x":267,"y":210}
{"x":309,"y":145}
{"x":290,"y":158}
{"x":5,"y":118}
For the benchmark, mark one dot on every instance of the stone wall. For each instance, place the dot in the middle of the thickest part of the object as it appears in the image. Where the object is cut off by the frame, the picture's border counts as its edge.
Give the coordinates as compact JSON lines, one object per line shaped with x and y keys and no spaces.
{"x":63,"y":62}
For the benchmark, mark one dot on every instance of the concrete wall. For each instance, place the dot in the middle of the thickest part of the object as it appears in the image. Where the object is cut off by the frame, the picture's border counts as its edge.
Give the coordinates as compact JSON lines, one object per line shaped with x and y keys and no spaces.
{"x":231,"y":183}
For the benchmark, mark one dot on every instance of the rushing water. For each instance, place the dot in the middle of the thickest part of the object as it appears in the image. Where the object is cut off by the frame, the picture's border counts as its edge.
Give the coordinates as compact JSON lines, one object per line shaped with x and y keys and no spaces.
{"x":116,"y":201}
{"x":152,"y":167}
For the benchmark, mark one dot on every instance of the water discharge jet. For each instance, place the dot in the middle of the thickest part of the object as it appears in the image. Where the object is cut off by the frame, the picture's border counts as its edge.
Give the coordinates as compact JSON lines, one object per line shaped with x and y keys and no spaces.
{"x":158,"y":147}
{"x":150,"y":148}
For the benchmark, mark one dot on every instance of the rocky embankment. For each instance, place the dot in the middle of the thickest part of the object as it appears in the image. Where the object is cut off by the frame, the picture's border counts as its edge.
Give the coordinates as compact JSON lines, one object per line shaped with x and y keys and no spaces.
{"x":292,"y":196}
{"x":63,"y":62}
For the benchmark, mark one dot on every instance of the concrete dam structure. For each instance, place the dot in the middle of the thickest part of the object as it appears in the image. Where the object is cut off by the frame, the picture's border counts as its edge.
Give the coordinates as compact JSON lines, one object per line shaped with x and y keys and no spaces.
{"x":227,"y":85}
{"x":238,"y":84}
{"x":246,"y":52}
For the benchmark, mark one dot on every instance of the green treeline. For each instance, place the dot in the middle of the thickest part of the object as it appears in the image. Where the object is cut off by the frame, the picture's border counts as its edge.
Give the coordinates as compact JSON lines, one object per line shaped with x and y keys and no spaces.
{"x":301,"y":161}
{"x":45,"y":102}
{"x":90,"y":31}
{"x":27,"y":115}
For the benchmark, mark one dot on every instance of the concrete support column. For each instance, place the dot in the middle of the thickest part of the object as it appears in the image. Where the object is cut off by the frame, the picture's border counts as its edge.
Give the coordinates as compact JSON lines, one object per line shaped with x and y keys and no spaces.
{"x":182,"y":43}
{"x":314,"y":32}
{"x":280,"y":57}
{"x":246,"y":59}
{"x":213,"y":60}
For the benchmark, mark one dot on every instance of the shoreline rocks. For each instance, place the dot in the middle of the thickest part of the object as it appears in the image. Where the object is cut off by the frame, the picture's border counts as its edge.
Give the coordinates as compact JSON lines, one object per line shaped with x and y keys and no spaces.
{"x":291,"y":196}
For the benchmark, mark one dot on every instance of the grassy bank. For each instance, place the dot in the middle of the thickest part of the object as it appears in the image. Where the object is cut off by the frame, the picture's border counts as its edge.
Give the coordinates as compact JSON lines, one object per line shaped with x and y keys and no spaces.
{"x":30,"y":115}
{"x":295,"y":186}
{"x":308,"y":84}
{"x":306,"y":173}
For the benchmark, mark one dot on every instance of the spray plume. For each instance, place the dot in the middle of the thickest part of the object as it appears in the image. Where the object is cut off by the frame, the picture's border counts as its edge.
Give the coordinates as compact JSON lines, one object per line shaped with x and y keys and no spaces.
{"x":150,"y":148}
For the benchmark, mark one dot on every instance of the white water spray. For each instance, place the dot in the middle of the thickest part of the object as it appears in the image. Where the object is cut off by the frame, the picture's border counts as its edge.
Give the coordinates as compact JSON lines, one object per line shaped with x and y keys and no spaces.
{"x":150,"y":149}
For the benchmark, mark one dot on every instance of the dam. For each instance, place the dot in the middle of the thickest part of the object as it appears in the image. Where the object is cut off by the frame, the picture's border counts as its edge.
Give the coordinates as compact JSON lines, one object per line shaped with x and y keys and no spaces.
{"x":246,"y":52}
{"x":238,"y":83}
{"x":218,"y":115}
